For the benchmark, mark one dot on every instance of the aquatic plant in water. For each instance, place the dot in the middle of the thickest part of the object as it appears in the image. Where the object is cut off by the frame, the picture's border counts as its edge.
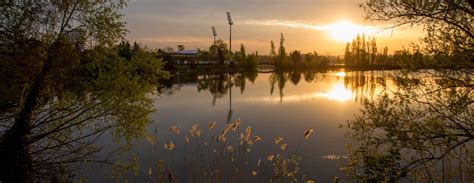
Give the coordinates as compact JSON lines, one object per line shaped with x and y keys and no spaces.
{"x":213,"y":155}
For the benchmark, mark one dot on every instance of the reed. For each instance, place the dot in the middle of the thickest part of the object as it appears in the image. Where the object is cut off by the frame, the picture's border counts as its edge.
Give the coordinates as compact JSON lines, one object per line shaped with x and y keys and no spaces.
{"x":223,"y":155}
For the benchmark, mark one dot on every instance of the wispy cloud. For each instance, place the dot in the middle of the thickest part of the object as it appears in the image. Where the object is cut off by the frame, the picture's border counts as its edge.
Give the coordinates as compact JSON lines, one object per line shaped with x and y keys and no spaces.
{"x":336,"y":26}
{"x":293,"y":24}
{"x":342,"y":30}
{"x":318,"y":27}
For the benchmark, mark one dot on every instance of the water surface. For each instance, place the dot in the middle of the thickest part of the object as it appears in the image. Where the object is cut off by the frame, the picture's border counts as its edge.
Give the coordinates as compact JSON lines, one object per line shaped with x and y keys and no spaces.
{"x":272,"y":104}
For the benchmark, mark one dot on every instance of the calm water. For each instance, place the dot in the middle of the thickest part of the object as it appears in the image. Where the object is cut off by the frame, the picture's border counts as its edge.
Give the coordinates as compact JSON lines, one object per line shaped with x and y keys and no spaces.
{"x":273,"y":104}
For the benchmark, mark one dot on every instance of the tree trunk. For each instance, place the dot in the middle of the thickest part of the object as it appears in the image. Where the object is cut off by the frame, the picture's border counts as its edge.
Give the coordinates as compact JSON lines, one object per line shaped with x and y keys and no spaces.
{"x":15,"y":158}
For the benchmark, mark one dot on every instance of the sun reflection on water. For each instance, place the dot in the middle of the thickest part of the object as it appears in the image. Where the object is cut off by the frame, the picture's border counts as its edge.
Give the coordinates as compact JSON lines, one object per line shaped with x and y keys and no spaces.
{"x":339,"y":93}
{"x":340,"y":74}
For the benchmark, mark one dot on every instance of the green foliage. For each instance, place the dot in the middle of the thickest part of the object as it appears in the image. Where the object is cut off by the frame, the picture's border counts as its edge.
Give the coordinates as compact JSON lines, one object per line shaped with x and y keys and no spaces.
{"x":65,"y":94}
{"x":124,"y":50}
{"x":285,"y":169}
{"x":166,"y":56}
{"x":100,"y":19}
{"x":417,"y":131}
{"x":422,"y":130}
{"x":204,"y":55}
{"x":86,"y":94}
{"x":220,"y":50}
{"x":124,"y":83}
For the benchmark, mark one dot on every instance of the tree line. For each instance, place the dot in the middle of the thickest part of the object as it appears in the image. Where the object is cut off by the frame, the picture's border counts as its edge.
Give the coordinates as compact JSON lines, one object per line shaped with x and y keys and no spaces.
{"x":295,"y":60}
{"x":363,"y":52}
{"x":219,"y":54}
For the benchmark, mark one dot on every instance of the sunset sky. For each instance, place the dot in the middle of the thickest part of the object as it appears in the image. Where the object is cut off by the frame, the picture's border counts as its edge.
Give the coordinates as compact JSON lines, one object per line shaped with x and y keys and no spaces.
{"x":308,"y":25}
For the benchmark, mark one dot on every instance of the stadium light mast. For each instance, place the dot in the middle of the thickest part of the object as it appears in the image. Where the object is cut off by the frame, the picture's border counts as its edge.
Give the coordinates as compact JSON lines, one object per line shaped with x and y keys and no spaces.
{"x":214,"y":33}
{"x":229,"y":18}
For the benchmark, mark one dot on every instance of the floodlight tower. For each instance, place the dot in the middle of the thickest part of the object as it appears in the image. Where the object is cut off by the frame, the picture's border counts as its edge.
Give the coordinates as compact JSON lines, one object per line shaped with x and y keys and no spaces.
{"x":214,"y":33}
{"x":229,"y":18}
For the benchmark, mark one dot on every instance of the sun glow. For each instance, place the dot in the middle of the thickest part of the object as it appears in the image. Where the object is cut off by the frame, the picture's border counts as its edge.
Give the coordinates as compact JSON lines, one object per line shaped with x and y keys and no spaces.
{"x":339,"y":93}
{"x":345,"y":31}
{"x":340,"y":74}
{"x":342,"y":30}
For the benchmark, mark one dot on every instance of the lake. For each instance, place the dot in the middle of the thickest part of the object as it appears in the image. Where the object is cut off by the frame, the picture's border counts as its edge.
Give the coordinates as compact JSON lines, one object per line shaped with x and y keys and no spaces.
{"x":282,"y":104}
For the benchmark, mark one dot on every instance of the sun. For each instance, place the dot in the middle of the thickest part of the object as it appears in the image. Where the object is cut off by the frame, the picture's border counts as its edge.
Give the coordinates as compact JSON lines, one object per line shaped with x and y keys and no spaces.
{"x":345,"y":31}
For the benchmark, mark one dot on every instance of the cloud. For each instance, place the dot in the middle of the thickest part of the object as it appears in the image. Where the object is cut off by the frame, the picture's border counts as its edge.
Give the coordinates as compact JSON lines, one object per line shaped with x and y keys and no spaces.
{"x":307,"y":24}
{"x":293,"y":24}
{"x":342,"y":30}
{"x":318,"y":27}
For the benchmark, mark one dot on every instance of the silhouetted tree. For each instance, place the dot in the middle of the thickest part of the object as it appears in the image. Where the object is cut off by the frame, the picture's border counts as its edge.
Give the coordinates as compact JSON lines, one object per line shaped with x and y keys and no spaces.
{"x":273,"y":53}
{"x":448,"y":25}
{"x":181,"y":47}
{"x":221,"y":49}
{"x":166,"y":55}
{"x":373,"y":52}
{"x":385,"y":57}
{"x":242,"y":55}
{"x":358,"y":52}
{"x":296,"y":60}
{"x":281,"y":59}
{"x":295,"y":77}
{"x":348,"y":54}
{"x":124,"y":50}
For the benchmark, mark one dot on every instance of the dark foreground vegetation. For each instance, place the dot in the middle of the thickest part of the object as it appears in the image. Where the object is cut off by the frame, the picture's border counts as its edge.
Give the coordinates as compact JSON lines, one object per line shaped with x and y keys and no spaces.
{"x":424,"y":130}
{"x":58,"y":98}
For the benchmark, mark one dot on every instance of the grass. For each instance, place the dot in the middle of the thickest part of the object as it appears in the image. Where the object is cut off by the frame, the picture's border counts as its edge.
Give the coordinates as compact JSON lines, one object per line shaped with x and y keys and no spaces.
{"x":222,"y":154}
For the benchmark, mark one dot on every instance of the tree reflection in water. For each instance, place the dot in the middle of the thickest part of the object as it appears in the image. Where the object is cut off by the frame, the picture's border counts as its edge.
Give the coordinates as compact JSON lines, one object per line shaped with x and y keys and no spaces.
{"x":357,"y":84}
{"x":412,"y":125}
{"x":98,"y":92}
{"x":374,"y":157}
{"x":421,"y":131}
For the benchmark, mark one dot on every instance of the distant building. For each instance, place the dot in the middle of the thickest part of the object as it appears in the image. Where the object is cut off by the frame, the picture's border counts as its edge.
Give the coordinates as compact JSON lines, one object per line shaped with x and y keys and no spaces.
{"x":185,"y":56}
{"x":78,"y":38}
{"x":192,"y":53}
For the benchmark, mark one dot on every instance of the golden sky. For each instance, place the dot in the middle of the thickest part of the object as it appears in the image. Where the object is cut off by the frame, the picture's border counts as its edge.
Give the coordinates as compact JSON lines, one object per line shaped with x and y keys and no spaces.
{"x":308,"y":25}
